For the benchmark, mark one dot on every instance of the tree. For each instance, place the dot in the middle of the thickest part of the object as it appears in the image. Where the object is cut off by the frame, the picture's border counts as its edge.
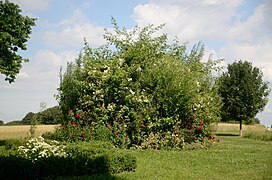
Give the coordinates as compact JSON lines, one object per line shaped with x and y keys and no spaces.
{"x":28,"y":118}
{"x":14,"y":33}
{"x":243,"y":91}
{"x":1,"y":122}
{"x":52,"y":115}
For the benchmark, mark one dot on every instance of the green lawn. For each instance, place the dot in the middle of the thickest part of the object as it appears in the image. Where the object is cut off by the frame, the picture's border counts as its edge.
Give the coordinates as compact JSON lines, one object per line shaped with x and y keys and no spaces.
{"x":232,"y":158}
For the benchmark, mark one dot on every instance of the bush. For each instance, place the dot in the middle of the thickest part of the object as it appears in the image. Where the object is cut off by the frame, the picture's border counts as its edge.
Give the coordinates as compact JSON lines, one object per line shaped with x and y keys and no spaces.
{"x":77,"y":161}
{"x":136,"y":85}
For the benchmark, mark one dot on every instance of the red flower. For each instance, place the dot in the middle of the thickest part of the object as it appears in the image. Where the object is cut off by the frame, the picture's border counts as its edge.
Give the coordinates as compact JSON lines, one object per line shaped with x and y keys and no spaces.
{"x":69,"y":111}
{"x":82,"y":133}
{"x":213,"y":131}
{"x":75,"y":125}
{"x":199,"y":128}
{"x":126,"y":139}
{"x":116,"y":132}
{"x":218,"y":140}
{"x":77,"y":115}
{"x":201,"y":122}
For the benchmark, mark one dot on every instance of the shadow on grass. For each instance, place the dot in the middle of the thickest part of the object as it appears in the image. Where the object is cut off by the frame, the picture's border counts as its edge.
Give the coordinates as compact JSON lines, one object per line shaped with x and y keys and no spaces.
{"x":108,"y":177}
{"x":226,"y":134}
{"x":2,"y":142}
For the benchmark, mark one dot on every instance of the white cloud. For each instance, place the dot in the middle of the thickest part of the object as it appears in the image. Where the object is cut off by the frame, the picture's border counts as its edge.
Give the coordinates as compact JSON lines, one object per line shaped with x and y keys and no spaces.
{"x":74,"y":30}
{"x":33,"y":5}
{"x":190,"y":20}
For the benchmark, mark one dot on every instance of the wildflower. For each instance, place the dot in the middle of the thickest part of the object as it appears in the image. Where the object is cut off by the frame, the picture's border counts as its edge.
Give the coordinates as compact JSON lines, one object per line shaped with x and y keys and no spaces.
{"x":201,"y":122}
{"x":77,"y":115}
{"x":132,"y":92}
{"x":126,"y":139}
{"x":212,"y":130}
{"x":116,"y":132}
{"x":199,"y":128}
{"x":82,"y":133}
{"x":75,"y":125}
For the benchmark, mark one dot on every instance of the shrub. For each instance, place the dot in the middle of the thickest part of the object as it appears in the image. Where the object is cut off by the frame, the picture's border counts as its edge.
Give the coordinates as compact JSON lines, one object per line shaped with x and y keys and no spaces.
{"x":136,"y":85}
{"x":37,"y":148}
{"x":38,"y":159}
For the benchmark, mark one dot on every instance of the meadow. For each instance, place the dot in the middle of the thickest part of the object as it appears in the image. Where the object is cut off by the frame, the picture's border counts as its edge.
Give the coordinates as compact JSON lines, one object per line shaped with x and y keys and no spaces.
{"x":17,"y":132}
{"x":231,"y":158}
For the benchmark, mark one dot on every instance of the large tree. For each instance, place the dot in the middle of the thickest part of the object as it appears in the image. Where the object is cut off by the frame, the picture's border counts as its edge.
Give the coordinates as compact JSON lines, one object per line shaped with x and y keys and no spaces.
{"x":14,"y":33}
{"x":243,"y":91}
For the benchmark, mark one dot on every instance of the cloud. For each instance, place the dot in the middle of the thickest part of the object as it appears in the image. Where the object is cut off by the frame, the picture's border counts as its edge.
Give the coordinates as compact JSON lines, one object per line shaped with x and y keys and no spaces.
{"x":218,"y":22}
{"x":33,"y":5}
{"x":73,"y":31}
{"x":190,"y":20}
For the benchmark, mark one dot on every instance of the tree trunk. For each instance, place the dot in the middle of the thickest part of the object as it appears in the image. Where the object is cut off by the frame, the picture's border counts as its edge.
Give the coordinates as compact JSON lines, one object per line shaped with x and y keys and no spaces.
{"x":241,"y":132}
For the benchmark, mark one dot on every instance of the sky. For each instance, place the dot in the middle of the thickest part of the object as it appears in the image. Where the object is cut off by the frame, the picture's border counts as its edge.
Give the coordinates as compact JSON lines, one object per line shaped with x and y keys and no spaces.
{"x":229,"y":29}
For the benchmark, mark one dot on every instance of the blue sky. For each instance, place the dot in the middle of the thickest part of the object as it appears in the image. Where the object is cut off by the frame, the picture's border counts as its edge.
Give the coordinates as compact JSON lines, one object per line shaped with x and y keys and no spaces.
{"x":230,"y":29}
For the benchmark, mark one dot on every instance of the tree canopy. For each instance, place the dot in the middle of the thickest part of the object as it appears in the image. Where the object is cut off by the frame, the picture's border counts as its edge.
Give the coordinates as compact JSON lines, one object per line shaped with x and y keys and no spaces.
{"x":243,"y":91}
{"x":14,"y":33}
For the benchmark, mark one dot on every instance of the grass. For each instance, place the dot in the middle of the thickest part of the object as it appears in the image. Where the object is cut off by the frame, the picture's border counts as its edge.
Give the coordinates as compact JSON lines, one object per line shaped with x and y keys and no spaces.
{"x":233,"y":158}
{"x":17,"y":132}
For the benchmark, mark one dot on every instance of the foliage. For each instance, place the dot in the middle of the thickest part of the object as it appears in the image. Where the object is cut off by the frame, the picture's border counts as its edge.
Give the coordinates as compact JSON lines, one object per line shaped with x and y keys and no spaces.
{"x":14,"y":33}
{"x":1,"y":122}
{"x":37,"y":159}
{"x":36,"y":148}
{"x":28,"y":118}
{"x":243,"y":91}
{"x":52,"y":115}
{"x":14,"y":123}
{"x":138,"y":84}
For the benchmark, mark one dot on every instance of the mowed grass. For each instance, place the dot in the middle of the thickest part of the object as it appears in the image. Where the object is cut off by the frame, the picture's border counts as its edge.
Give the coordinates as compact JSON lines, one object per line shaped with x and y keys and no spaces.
{"x":18,"y":132}
{"x":232,"y":158}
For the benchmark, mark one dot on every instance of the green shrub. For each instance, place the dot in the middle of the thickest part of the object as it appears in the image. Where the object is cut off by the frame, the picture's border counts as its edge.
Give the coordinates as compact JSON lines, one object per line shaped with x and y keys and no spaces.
{"x":78,"y":162}
{"x":135,"y":85}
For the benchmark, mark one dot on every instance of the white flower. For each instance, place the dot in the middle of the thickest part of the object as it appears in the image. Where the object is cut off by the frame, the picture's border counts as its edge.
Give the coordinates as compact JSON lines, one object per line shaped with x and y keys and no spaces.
{"x":129,"y":79}
{"x":132,"y":92}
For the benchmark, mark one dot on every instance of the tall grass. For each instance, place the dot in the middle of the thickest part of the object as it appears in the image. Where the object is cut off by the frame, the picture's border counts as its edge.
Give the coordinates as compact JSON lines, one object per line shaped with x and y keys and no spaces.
{"x":256,"y":131}
{"x":22,"y":131}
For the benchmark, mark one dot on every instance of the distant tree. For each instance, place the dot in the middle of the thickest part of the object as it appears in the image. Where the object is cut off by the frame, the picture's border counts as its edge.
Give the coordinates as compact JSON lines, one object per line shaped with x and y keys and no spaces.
{"x":51,"y":115}
{"x":1,"y":122}
{"x":28,"y":118}
{"x":14,"y":33}
{"x":14,"y":123}
{"x":243,"y":92}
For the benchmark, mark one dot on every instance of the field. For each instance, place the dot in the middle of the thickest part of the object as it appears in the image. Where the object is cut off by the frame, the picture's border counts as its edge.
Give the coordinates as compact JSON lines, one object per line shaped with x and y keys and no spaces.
{"x":15,"y":132}
{"x":232,"y":158}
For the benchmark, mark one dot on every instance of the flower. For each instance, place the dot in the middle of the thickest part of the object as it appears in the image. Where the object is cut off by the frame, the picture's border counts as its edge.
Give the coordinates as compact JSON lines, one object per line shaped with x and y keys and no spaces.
{"x":75,"y":125}
{"x":126,"y":139}
{"x":201,"y":122}
{"x":82,"y":133}
{"x":199,"y":128}
{"x":116,"y":132}
{"x":77,"y":115}
{"x":69,"y":111}
{"x":218,"y":140}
